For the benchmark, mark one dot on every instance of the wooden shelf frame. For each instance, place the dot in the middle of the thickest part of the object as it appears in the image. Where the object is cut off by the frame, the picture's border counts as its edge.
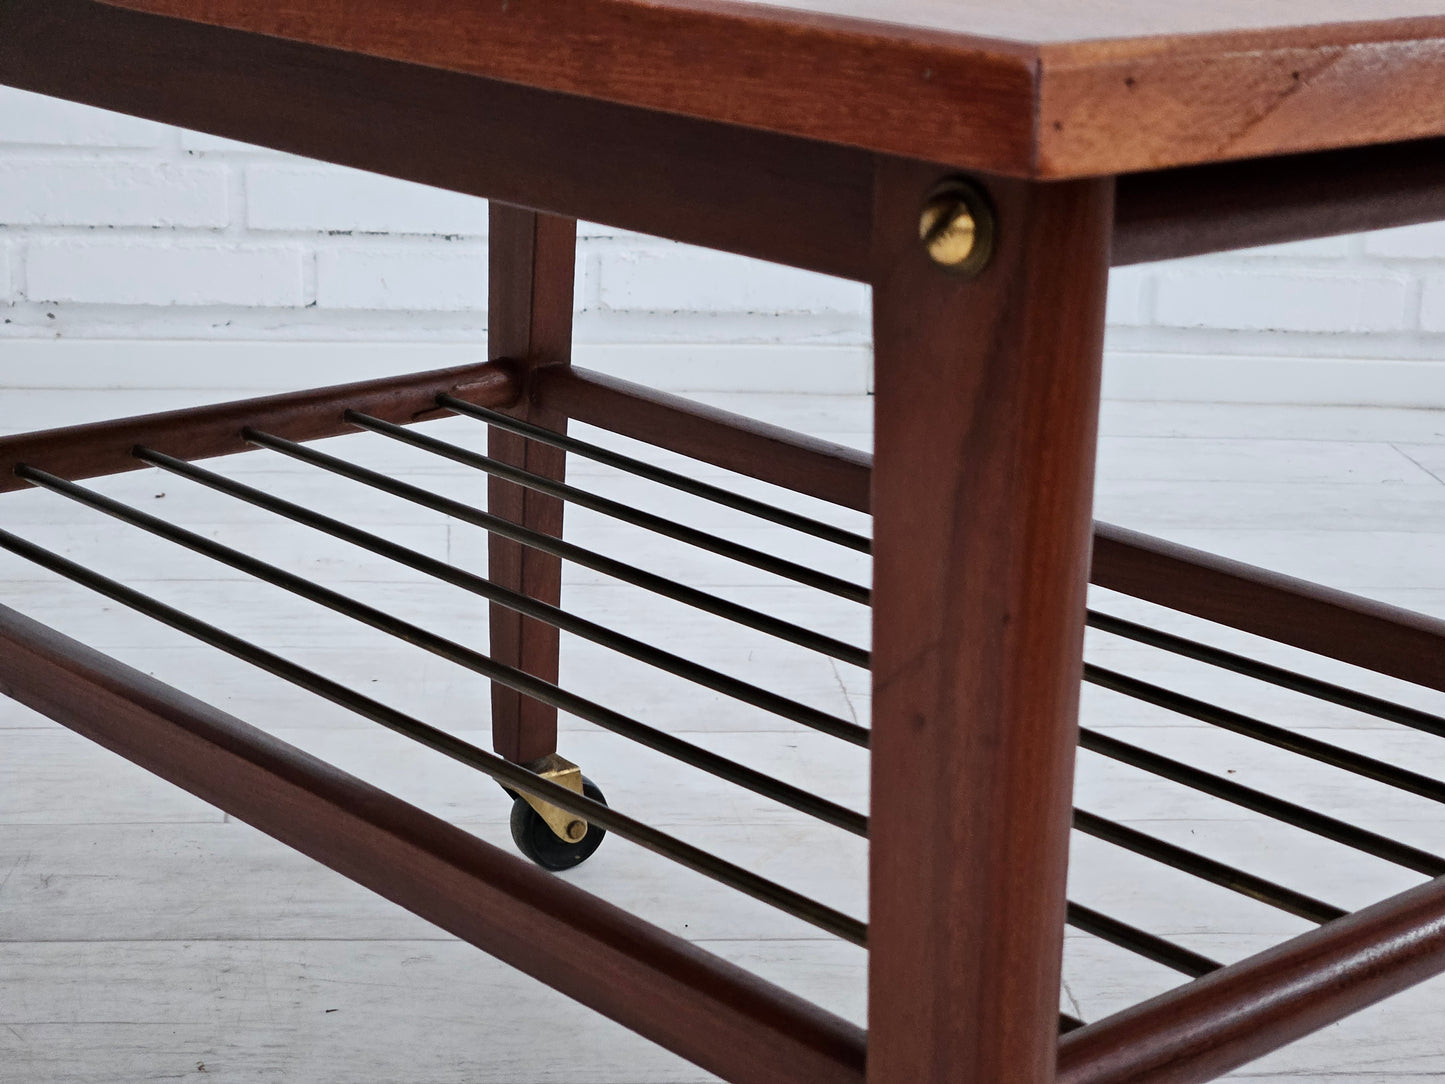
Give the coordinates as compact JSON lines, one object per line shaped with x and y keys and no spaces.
{"x":1225,"y":1017}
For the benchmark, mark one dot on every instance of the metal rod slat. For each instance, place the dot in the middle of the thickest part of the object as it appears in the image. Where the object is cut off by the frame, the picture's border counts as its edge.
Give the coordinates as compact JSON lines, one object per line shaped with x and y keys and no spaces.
{"x":1309,"y":820}
{"x":1279,"y":737}
{"x":506,"y":773}
{"x":1140,"y":942}
{"x":1219,"y":873}
{"x":517,"y":778}
{"x":541,"y":611}
{"x":661,"y":475}
{"x":702,"y":540}
{"x":648,"y":581}
{"x":1274,"y":675}
{"x":1138,"y":842}
{"x":675,"y":748}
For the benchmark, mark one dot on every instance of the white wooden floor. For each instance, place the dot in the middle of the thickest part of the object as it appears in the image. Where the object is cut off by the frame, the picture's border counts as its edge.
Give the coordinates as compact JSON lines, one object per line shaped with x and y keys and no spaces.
{"x":145,"y":936}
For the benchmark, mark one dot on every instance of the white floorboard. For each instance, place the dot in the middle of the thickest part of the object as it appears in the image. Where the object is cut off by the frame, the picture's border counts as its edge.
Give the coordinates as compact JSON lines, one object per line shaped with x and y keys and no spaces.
{"x":144,"y":936}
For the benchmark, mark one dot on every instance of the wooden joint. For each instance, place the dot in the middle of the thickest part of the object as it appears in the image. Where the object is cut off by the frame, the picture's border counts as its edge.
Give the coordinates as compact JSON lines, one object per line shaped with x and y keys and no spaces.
{"x":1201,"y":1031}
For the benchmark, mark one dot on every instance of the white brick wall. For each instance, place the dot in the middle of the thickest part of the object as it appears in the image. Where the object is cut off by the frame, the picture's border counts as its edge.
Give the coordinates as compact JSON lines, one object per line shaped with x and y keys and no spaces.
{"x":1412,"y":242}
{"x":7,"y":283}
{"x":1432,"y":303}
{"x":415,"y":279}
{"x":111,"y":227}
{"x":126,"y":271}
{"x":674,"y":279}
{"x":306,"y":198}
{"x":73,"y":192}
{"x":48,"y":122}
{"x":1289,"y":299}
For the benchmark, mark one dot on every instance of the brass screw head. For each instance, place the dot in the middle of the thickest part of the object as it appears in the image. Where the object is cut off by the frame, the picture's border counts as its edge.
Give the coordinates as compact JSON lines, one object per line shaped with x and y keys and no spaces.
{"x":956,"y":227}
{"x":576,"y":830}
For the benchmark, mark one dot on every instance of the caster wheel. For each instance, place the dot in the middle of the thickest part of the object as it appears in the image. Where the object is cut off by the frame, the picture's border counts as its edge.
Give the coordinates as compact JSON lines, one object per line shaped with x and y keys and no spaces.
{"x":539,"y":843}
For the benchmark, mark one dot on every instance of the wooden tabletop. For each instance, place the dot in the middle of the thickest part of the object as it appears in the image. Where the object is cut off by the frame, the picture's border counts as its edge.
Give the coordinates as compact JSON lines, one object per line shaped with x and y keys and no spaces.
{"x":1046,"y":88}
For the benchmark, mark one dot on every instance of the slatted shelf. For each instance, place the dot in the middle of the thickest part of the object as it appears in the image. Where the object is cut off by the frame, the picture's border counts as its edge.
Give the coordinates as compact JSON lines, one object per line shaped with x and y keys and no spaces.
{"x":164,"y":448}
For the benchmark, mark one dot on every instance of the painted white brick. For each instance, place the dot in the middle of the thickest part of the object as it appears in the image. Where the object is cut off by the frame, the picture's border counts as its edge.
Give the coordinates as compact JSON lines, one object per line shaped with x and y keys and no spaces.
{"x":310,"y":197}
{"x":597,"y":230}
{"x":140,"y":271}
{"x":203,"y":143}
{"x":64,"y":166}
{"x":1411,"y":242}
{"x":1319,"y":248}
{"x":1125,"y":305}
{"x":36,"y":119}
{"x":1432,"y":303}
{"x":415,"y":279}
{"x":106,"y":193}
{"x":1310,"y":301}
{"x":674,"y":279}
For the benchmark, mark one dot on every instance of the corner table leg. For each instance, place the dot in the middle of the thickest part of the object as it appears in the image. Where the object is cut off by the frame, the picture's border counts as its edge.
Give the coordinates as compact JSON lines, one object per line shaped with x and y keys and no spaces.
{"x":532,"y":261}
{"x":986,"y":420}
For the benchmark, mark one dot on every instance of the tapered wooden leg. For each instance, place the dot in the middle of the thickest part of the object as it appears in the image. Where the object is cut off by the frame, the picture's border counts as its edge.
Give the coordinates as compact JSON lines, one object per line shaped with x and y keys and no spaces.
{"x":530,"y":322}
{"x":987,"y":398}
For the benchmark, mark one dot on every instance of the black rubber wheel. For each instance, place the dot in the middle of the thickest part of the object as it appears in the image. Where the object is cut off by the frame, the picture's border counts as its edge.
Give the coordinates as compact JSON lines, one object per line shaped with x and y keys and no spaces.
{"x":543,"y":846}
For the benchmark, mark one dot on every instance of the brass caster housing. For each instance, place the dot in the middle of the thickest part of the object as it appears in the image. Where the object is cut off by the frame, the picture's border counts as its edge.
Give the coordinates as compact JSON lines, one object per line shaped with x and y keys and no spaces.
{"x":555,"y":769}
{"x":551,"y":837}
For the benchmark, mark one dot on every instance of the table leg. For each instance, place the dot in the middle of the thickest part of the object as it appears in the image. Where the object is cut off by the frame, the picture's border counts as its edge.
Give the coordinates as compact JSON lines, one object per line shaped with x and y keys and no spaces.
{"x":987,"y":400}
{"x":532,"y":260}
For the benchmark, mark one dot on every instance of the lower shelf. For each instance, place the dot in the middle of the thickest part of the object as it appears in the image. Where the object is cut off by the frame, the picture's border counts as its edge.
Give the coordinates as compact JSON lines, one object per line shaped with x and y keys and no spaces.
{"x":1336,"y":784}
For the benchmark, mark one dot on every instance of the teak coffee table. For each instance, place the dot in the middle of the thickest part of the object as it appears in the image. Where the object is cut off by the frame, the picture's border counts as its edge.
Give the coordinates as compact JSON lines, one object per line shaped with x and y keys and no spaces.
{"x":981,"y":164}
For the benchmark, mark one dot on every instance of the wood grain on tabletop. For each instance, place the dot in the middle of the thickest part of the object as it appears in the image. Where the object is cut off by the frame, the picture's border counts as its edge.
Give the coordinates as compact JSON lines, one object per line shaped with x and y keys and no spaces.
{"x":1050,"y":88}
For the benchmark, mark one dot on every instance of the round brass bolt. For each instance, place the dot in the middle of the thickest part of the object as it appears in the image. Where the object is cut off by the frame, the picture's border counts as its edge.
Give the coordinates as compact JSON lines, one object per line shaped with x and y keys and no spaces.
{"x":576,"y":830}
{"x":956,"y":227}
